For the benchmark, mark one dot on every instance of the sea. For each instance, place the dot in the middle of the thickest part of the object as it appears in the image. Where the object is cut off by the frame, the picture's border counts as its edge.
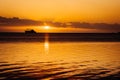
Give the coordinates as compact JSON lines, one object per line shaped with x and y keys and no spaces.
{"x":59,"y":60}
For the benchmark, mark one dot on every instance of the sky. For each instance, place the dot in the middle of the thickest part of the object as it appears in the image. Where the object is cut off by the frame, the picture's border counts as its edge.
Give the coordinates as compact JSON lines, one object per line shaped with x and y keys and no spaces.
{"x":92,"y":11}
{"x":63,"y":10}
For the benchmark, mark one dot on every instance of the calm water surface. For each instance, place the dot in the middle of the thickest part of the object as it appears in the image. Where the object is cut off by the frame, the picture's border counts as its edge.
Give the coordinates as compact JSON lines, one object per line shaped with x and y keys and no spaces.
{"x":59,"y":60}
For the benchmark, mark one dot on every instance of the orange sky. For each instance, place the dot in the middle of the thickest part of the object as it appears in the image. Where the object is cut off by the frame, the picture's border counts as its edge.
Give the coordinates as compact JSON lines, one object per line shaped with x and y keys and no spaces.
{"x":63,"y":10}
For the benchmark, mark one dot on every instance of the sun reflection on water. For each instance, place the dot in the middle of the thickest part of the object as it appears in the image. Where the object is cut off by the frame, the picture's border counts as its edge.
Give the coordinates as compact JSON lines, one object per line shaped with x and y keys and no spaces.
{"x":46,"y":43}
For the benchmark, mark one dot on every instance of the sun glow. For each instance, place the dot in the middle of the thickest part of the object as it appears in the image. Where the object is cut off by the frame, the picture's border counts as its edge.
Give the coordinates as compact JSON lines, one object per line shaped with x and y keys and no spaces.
{"x":46,"y":27}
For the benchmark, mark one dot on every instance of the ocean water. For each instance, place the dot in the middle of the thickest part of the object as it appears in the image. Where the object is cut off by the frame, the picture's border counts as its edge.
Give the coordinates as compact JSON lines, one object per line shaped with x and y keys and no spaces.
{"x":59,"y":60}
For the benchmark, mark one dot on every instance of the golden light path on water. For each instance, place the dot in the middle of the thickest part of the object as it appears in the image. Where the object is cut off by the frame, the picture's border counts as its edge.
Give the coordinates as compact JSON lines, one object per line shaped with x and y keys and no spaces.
{"x":46,"y":43}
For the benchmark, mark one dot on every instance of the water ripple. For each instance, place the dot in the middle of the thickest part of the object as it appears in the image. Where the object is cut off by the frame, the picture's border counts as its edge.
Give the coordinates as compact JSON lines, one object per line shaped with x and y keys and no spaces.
{"x":57,"y":71}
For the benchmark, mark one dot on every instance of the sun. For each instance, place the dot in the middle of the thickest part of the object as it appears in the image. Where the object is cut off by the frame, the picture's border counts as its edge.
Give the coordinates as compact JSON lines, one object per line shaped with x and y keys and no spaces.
{"x":46,"y":27}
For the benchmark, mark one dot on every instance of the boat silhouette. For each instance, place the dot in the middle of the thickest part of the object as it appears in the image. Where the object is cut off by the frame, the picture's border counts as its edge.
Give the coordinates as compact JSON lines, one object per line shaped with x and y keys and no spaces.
{"x":30,"y":31}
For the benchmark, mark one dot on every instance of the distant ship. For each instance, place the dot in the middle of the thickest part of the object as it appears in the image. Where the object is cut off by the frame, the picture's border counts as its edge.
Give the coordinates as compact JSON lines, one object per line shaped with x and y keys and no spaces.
{"x":30,"y":31}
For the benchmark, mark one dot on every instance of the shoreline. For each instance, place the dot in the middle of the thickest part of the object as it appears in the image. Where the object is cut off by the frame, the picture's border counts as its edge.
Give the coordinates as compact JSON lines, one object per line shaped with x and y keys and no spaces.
{"x":110,"y":37}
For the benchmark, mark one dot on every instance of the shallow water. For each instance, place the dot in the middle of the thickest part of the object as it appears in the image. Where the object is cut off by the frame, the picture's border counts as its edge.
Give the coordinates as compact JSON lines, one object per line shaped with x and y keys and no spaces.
{"x":59,"y":60}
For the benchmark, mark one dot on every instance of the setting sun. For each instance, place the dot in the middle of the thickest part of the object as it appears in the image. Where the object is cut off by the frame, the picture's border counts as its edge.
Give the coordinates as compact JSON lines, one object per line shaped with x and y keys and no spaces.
{"x":46,"y":27}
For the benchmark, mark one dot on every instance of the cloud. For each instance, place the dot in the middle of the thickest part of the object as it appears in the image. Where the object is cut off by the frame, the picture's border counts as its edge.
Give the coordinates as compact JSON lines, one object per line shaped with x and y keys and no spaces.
{"x":99,"y":26}
{"x":15,"y":21}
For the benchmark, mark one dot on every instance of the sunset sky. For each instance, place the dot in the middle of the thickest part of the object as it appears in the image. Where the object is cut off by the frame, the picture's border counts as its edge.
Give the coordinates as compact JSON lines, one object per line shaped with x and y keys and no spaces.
{"x":63,"y":10}
{"x":92,"y":11}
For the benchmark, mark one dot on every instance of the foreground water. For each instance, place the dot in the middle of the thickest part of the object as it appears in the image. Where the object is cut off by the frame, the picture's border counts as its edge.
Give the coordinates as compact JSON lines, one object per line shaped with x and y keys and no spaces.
{"x":59,"y":60}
